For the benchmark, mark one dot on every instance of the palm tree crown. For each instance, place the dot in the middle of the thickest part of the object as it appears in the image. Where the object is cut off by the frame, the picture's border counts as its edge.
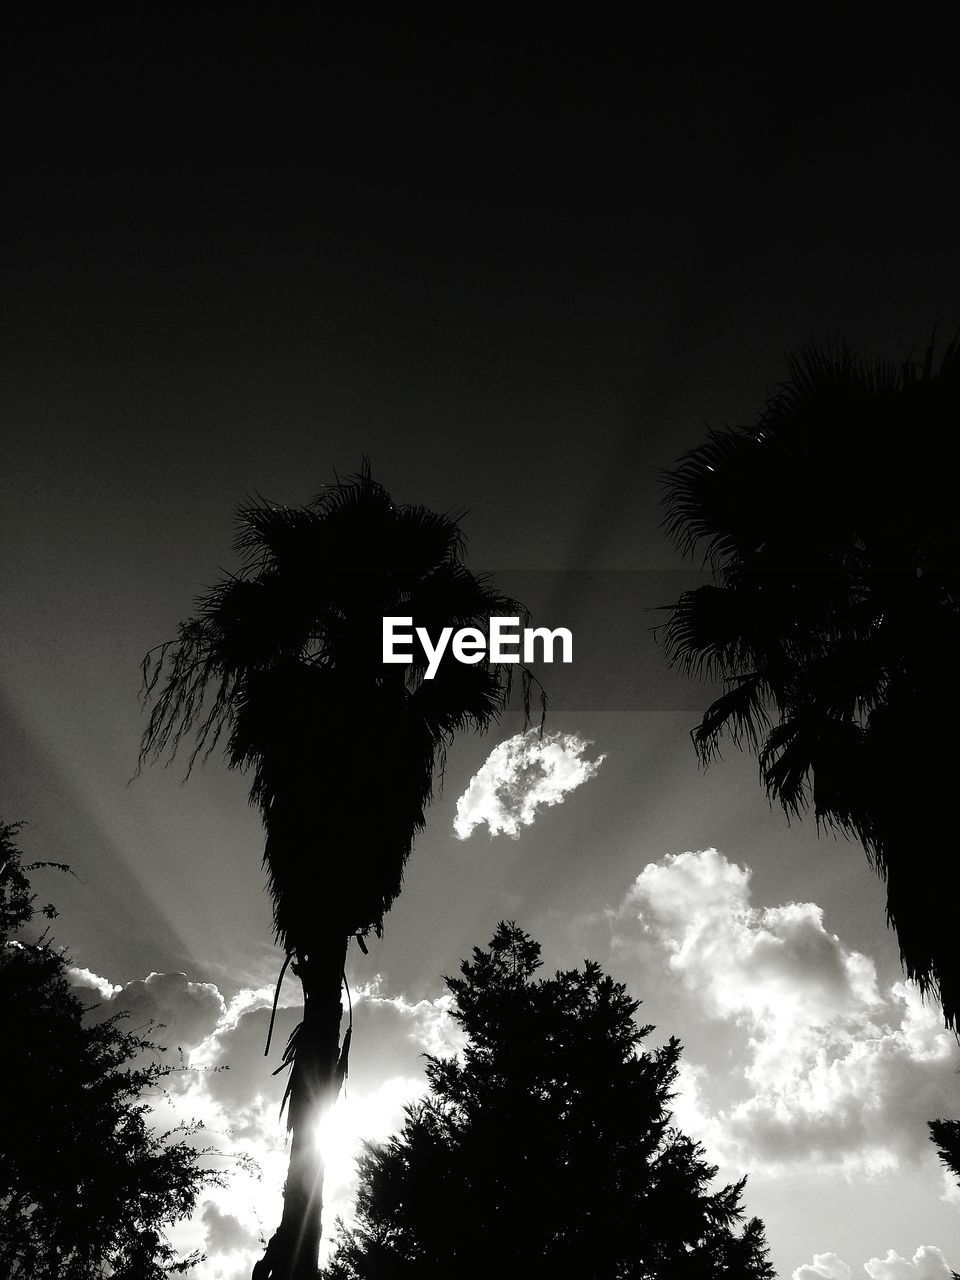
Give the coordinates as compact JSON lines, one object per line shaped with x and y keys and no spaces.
{"x":833,"y":618}
{"x":284,"y":657}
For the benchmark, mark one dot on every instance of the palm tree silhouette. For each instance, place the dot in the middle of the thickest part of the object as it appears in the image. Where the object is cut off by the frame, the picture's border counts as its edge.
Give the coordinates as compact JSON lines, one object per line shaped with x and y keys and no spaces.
{"x":284,"y":660}
{"x":833,"y":619}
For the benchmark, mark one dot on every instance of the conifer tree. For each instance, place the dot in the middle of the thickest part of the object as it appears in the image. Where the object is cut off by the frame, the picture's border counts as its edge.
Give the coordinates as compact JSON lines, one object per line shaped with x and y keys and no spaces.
{"x":547,"y":1148}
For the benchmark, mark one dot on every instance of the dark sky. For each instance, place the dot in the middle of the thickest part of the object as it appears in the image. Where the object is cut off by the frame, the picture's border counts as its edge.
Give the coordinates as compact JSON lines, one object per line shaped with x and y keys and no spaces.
{"x":517,"y":267}
{"x":519,"y":264}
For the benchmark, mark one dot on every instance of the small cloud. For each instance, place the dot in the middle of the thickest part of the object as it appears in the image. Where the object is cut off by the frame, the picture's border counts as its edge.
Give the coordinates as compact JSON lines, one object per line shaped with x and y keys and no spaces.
{"x":519,"y":776}
{"x":825,"y":1266}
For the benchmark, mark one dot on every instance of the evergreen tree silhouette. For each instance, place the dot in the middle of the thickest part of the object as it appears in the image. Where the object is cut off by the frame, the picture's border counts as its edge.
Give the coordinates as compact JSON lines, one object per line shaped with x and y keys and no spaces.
{"x":86,"y":1187}
{"x":284,"y":659}
{"x":833,"y":619}
{"x":945,"y":1135}
{"x":548,"y":1149}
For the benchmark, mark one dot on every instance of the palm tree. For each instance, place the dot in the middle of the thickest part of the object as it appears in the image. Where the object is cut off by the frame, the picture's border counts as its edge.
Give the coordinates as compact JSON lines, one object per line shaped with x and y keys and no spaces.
{"x":283,"y":662}
{"x":833,"y":619}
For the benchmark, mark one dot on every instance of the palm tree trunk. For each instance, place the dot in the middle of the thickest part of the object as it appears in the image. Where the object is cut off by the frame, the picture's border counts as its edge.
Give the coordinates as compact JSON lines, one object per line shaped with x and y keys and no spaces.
{"x":291,"y":1253}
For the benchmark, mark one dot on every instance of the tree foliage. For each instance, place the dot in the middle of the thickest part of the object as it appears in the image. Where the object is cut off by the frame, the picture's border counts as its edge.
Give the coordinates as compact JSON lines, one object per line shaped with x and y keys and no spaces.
{"x":285,"y":659}
{"x":87,"y":1187}
{"x":833,"y":618}
{"x":946,"y":1138}
{"x":547,"y":1148}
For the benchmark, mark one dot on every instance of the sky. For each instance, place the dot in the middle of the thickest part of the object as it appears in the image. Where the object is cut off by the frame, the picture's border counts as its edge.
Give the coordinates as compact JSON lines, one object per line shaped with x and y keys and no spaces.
{"x":521,"y":270}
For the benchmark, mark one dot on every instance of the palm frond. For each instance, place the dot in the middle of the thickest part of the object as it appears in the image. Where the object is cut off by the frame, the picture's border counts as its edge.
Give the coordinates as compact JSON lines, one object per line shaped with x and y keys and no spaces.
{"x":834,"y":613}
{"x":741,"y":712}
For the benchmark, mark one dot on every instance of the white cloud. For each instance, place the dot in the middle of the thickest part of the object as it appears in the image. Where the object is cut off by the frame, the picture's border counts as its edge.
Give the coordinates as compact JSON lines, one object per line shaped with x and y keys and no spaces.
{"x":224,"y":1232}
{"x":431,"y":1026}
{"x":240,"y":1127}
{"x":521,"y":774}
{"x":835,"y":1074}
{"x":184,"y":1010}
{"x":830,"y":1071}
{"x":241,"y":1105}
{"x":928,"y":1264}
{"x":168,"y":1007}
{"x":825,"y":1266}
{"x":86,"y":979}
{"x":222,"y":1079}
{"x":951,"y":1188}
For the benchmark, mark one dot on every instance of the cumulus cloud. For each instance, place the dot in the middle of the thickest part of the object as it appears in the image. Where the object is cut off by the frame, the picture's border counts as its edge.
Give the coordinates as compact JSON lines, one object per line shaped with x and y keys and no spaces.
{"x":831,"y":1072}
{"x":241,"y":1134}
{"x":241,"y":1106}
{"x":223,"y":1081}
{"x":825,"y":1266}
{"x":521,"y":774}
{"x":836,"y":1074}
{"x":928,"y":1263}
{"x":175,"y":1012}
{"x":427,"y":1025}
{"x":232,"y":1055}
{"x":185,"y":1010}
{"x":85,"y":980}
